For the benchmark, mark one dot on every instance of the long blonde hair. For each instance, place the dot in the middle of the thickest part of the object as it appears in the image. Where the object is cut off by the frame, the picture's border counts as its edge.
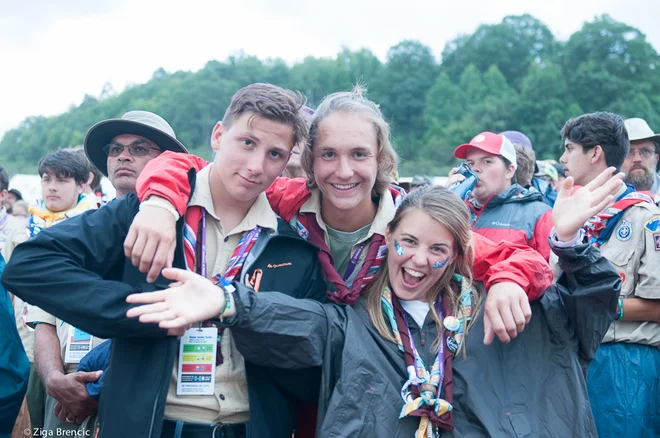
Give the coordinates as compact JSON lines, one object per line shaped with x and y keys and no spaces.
{"x":354,"y":102}
{"x":450,"y":211}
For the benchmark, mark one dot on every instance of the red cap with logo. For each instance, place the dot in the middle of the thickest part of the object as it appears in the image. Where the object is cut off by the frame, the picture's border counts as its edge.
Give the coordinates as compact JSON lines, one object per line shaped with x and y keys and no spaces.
{"x":490,"y":143}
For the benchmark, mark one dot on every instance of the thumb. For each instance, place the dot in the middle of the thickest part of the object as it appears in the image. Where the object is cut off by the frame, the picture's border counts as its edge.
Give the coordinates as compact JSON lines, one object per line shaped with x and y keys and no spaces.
{"x":176,"y":274}
{"x":92,"y":376}
{"x":489,"y":334}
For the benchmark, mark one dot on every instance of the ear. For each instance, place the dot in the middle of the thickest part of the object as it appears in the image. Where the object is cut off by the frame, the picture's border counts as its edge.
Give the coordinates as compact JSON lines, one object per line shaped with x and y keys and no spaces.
{"x":216,"y":135}
{"x":596,"y":154}
{"x":80,"y":188}
{"x":510,"y":172}
{"x":91,"y":178}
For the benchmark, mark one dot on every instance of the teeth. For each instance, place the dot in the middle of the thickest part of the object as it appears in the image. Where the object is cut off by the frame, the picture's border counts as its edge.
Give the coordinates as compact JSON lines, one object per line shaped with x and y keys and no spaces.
{"x":415,"y":274}
{"x":344,"y":186}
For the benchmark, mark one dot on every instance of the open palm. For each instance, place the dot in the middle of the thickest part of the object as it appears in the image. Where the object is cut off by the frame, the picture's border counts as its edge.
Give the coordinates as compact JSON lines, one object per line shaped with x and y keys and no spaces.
{"x":191,"y":299}
{"x":571,"y":211}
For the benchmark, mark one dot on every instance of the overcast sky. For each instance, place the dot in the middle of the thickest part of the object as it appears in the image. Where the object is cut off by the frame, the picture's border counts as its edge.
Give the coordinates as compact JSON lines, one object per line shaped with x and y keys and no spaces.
{"x":52,"y":53}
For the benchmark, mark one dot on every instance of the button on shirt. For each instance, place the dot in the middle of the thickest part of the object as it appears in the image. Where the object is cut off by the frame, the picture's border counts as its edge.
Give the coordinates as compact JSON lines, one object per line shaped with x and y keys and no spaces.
{"x":230,"y":401}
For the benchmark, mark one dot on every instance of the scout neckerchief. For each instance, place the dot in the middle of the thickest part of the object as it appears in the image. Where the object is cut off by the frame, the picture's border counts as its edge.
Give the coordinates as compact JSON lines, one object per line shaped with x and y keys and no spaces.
{"x":41,"y":217}
{"x":195,"y":254}
{"x":421,"y":392}
{"x":600,"y":227}
{"x":308,"y":228}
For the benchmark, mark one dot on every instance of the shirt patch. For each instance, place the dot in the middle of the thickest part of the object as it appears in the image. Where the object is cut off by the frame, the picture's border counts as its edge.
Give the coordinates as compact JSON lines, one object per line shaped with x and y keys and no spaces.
{"x":624,"y":232}
{"x":653,"y":225}
{"x":656,"y":240}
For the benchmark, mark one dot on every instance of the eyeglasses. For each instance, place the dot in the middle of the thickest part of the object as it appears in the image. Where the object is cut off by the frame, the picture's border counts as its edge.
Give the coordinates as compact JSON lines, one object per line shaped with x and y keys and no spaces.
{"x":137,"y":149}
{"x":643,"y":153}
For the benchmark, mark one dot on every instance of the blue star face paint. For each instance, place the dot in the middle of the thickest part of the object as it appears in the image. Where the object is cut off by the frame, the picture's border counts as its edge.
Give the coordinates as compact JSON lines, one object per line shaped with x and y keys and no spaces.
{"x":398,"y":248}
{"x":442,"y":264}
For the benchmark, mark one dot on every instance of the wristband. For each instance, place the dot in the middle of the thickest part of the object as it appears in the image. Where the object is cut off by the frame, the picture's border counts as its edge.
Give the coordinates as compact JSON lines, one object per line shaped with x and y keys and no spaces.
{"x":164,"y":204}
{"x":619,"y":309}
{"x":230,"y":305}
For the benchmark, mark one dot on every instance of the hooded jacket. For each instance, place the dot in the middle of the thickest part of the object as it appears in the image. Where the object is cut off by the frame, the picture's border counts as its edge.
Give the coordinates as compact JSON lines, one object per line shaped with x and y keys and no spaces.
{"x":517,"y":215}
{"x":533,"y":386}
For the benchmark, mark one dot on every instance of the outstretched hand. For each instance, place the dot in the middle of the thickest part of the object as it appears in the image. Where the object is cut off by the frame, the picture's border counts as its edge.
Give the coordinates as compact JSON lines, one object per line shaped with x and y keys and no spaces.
{"x":571,"y":211}
{"x":190,"y":300}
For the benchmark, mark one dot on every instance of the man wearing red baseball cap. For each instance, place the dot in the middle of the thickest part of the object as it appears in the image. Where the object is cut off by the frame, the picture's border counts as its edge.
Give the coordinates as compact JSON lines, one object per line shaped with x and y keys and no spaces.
{"x":500,"y":208}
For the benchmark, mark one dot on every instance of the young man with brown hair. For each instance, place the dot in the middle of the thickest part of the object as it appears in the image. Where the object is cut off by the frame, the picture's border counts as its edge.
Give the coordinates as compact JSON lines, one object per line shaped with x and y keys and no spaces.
{"x":229,"y":232}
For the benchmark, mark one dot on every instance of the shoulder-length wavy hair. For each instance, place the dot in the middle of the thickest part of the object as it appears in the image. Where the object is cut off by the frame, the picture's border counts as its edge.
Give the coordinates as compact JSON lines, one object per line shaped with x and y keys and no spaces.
{"x":450,"y":211}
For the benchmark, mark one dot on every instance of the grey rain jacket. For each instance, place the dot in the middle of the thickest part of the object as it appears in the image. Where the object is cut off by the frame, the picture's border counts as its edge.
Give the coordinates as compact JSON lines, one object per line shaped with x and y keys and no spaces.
{"x":533,"y":386}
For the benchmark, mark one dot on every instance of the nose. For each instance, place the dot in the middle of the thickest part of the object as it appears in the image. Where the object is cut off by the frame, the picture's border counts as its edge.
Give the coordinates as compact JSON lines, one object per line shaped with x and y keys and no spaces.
{"x":563,"y":159}
{"x":255,"y":164}
{"x":344,"y":169}
{"x":125,"y":155}
{"x":419,"y":257}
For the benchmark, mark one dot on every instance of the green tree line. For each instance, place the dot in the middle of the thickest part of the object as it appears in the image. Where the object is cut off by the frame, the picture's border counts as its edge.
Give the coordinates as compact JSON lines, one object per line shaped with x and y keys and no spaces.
{"x":514,"y":75}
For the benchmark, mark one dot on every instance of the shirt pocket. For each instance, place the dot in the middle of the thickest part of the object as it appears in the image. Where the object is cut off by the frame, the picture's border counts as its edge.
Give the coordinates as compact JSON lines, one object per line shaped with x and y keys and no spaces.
{"x":622,"y":259}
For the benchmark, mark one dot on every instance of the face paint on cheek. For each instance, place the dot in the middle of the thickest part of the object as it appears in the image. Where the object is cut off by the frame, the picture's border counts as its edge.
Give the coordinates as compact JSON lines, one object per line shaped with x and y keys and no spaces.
{"x":398,"y":248}
{"x":442,"y":264}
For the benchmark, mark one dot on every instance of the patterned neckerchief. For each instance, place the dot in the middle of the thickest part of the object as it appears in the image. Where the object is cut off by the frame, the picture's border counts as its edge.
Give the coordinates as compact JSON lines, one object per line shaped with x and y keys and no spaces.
{"x":422,"y":391}
{"x":600,"y":227}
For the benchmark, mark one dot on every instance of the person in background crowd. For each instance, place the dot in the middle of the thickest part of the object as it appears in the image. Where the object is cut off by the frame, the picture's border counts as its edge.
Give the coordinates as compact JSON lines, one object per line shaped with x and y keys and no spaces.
{"x":420,"y":181}
{"x":13,"y":195}
{"x":624,"y":378}
{"x":641,"y":164}
{"x":13,"y":232}
{"x":57,"y":345}
{"x":293,"y":167}
{"x":14,"y":365}
{"x":389,"y":368}
{"x":93,"y":184}
{"x":20,"y":210}
{"x":526,"y":165}
{"x":500,"y":208}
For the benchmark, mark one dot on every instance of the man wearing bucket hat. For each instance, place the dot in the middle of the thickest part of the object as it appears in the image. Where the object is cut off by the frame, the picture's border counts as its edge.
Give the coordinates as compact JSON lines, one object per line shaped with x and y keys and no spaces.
{"x":501,"y":209}
{"x":120,"y":148}
{"x":641,"y":163}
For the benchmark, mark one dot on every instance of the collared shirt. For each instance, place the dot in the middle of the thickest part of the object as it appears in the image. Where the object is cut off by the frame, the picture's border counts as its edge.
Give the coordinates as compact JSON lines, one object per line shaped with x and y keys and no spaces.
{"x":635,"y":253}
{"x":230,"y":401}
{"x":384,"y":215}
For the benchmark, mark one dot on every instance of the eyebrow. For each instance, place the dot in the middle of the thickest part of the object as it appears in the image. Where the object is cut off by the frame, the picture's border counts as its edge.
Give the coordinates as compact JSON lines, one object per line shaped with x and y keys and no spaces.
{"x":363,"y":149}
{"x":135,"y":143}
{"x":249,"y":135}
{"x":415,"y":238}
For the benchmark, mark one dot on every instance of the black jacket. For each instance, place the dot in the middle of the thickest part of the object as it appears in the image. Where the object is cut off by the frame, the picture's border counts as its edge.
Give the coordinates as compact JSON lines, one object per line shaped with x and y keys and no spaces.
{"x":77,"y":271}
{"x":533,"y":386}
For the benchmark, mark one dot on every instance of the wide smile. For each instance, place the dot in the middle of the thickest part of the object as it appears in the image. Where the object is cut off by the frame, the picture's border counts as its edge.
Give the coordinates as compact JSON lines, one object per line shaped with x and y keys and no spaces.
{"x":411,"y":278}
{"x":344,"y":187}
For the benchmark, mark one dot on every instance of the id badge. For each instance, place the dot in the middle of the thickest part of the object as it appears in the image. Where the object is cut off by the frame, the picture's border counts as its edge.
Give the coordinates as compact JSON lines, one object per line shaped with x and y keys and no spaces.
{"x":197,"y":349}
{"x":78,"y":344}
